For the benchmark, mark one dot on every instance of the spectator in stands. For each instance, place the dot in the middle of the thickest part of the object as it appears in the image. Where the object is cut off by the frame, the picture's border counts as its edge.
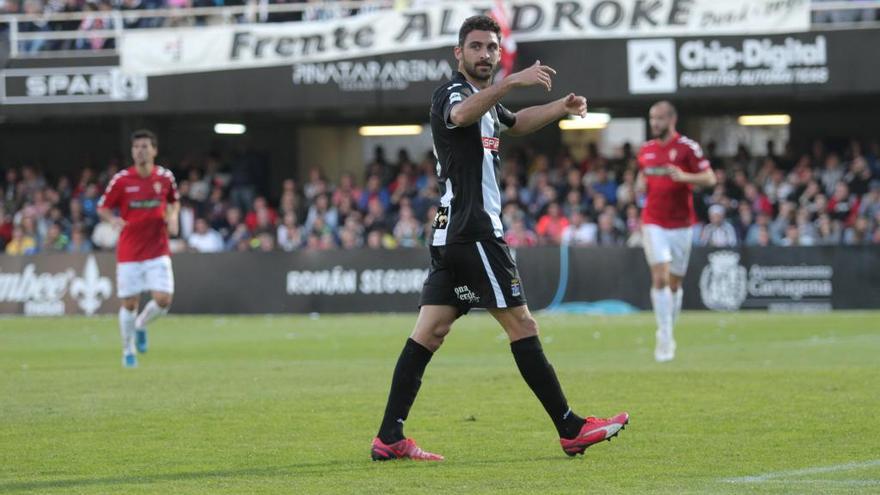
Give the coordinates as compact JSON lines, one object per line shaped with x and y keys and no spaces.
{"x":204,"y":239}
{"x":551,"y":225}
{"x":21,"y":243}
{"x":604,"y":184}
{"x":408,"y":231}
{"x":832,"y":173}
{"x":262,"y":216}
{"x":518,"y":235}
{"x":35,"y":8}
{"x":79,"y":242}
{"x":55,"y":240}
{"x":374,"y":190}
{"x":843,"y":206}
{"x":718,"y":232}
{"x":607,"y":234}
{"x":580,"y":232}
{"x":858,"y":234}
{"x":322,"y":208}
{"x":289,"y":234}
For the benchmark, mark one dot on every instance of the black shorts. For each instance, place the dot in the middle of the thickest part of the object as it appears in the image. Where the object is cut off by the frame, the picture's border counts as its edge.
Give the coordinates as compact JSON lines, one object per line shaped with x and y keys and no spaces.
{"x":473,"y":275}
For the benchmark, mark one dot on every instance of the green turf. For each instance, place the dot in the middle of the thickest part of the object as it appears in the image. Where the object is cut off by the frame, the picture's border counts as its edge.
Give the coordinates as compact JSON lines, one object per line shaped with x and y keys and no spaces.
{"x":754,"y":403}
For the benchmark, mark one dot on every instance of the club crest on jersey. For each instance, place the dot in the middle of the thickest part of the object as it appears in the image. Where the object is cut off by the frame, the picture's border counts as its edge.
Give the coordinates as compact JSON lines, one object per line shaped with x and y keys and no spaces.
{"x":441,"y":219}
{"x":515,"y":288}
{"x":491,"y":143}
{"x":157,"y":187}
{"x":672,"y":154}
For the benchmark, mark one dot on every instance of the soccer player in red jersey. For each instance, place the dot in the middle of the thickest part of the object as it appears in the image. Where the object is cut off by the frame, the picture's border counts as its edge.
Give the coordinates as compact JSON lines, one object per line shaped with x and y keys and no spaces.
{"x":670,"y":166}
{"x":145,"y":195}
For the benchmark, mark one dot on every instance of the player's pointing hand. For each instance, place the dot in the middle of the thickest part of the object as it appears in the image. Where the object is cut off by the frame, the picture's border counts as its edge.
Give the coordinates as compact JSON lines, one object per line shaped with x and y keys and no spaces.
{"x":535,"y":75}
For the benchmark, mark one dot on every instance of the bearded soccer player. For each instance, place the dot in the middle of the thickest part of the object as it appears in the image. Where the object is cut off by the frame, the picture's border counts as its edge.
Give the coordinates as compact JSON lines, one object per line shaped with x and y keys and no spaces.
{"x":670,"y":166}
{"x":145,"y":195}
{"x":471,"y":265}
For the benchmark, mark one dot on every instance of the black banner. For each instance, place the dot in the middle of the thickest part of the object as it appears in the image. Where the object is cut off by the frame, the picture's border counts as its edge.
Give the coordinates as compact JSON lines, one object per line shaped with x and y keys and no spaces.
{"x":778,"y":279}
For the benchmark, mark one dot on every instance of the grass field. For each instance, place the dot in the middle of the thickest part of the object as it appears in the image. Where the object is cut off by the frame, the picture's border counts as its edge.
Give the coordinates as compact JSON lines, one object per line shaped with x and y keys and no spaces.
{"x":754,"y":403}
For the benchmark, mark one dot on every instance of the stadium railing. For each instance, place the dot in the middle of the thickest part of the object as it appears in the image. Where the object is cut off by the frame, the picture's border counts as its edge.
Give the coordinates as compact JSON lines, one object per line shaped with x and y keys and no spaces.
{"x":824,"y":18}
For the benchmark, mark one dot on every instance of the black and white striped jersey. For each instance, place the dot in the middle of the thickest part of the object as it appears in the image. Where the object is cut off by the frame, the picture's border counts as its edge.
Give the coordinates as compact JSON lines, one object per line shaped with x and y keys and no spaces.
{"x":467,"y":167}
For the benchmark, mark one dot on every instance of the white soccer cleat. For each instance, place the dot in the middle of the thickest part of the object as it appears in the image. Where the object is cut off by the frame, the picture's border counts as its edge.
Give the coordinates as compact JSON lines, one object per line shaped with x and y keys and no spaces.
{"x":664,"y":350}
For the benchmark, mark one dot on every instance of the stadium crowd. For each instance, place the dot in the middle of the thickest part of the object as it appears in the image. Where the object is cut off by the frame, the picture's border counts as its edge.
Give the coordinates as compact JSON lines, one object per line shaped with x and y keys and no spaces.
{"x":101,"y":16}
{"x":819,"y":197}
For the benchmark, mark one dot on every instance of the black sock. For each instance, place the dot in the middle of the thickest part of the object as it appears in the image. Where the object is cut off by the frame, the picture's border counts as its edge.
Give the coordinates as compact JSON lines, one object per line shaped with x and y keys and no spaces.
{"x":539,"y":375}
{"x":405,"y":385}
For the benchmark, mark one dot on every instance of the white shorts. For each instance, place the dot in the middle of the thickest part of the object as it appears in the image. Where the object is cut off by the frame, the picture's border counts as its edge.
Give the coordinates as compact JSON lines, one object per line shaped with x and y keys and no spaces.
{"x":671,"y":246}
{"x":134,"y":277}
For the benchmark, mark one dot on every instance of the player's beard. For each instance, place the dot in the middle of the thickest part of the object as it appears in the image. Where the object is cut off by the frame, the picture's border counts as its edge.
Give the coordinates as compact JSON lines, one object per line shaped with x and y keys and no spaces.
{"x":663,"y":135}
{"x":474,"y":73}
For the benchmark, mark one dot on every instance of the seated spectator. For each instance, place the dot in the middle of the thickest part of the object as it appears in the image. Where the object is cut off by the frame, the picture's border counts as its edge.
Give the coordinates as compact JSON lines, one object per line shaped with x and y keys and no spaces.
{"x":21,"y":244}
{"x":580,"y":232}
{"x":550,"y":226}
{"x":323,"y":209}
{"x":607,"y":234}
{"x":827,"y":231}
{"x":262,"y":216}
{"x":718,"y":232}
{"x":858,"y":234}
{"x":374,"y":190}
{"x":518,"y":235}
{"x":204,"y":239}
{"x":79,"y":242}
{"x":843,"y":206}
{"x":290,"y":236}
{"x":407,"y":231}
{"x":55,"y":240}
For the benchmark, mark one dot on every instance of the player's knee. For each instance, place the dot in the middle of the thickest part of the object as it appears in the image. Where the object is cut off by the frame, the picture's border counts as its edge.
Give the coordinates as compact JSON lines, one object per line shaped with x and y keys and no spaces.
{"x":163,"y":300}
{"x":440,"y":331}
{"x":130,"y":303}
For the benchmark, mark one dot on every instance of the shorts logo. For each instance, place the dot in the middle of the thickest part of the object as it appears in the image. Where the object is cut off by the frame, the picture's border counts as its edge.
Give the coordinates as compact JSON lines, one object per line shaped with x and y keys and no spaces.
{"x":464,"y":293}
{"x":515,"y":288}
{"x":441,"y":219}
{"x":491,"y":143}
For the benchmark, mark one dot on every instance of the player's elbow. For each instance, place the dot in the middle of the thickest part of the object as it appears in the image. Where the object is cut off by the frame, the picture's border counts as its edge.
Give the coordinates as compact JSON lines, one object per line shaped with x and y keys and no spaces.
{"x":711,"y":179}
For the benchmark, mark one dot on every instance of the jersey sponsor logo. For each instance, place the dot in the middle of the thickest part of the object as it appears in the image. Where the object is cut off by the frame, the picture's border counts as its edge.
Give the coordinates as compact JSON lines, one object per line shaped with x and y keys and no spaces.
{"x":656,"y":171}
{"x":491,"y":143}
{"x":132,"y":189}
{"x":144,"y":203}
{"x":464,"y":293}
{"x":441,"y":219}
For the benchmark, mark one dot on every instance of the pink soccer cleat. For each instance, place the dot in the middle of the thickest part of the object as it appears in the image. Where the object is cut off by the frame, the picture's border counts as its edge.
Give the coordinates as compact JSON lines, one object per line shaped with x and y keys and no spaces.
{"x":404,"y":449}
{"x":594,"y":431}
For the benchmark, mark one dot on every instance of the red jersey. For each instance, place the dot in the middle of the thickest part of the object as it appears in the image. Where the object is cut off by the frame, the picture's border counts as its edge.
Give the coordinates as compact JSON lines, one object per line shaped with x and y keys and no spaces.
{"x":141,"y":202}
{"x":670,"y":204}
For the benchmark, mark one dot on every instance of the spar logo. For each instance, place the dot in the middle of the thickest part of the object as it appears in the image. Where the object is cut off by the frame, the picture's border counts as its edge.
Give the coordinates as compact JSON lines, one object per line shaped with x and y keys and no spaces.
{"x":723,"y":282}
{"x":43,"y":293}
{"x":491,"y":143}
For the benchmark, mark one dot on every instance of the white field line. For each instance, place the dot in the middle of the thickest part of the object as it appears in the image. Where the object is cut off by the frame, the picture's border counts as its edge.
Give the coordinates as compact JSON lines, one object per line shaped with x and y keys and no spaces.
{"x":782,"y":475}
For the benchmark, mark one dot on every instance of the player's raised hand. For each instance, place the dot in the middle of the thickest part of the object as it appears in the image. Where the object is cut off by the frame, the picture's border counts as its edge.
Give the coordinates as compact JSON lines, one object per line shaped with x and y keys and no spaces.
{"x":536,"y":75}
{"x":575,"y":105}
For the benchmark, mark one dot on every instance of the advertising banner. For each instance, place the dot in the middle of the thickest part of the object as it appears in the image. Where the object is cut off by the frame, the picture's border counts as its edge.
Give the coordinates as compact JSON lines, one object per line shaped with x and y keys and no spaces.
{"x":187,"y":50}
{"x":363,"y":281}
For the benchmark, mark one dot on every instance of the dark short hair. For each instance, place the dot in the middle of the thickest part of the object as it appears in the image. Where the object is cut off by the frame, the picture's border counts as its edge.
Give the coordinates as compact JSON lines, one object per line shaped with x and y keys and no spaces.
{"x":478,"y":23}
{"x":144,"y":133}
